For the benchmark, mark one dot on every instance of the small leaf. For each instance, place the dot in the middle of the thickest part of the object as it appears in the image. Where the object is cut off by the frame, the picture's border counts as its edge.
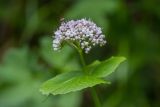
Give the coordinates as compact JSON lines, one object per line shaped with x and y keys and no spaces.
{"x":69,"y":82}
{"x":106,"y":67}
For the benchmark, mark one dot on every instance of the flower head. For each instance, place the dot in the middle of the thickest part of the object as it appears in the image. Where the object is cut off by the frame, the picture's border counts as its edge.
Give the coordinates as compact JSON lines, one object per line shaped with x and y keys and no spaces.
{"x":83,"y":33}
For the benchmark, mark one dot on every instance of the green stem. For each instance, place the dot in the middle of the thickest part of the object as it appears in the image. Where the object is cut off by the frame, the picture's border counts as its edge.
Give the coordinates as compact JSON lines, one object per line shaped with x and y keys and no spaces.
{"x":92,"y":90}
{"x":95,"y":97}
{"x":82,"y":58}
{"x":79,"y":51}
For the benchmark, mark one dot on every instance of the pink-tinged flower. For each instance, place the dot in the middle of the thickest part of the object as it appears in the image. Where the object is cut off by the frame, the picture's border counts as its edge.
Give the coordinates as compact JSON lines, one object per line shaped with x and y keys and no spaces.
{"x":83,"y":33}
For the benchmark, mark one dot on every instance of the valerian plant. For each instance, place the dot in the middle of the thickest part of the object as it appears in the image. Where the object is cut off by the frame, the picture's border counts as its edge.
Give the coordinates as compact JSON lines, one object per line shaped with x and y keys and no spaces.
{"x":82,"y":35}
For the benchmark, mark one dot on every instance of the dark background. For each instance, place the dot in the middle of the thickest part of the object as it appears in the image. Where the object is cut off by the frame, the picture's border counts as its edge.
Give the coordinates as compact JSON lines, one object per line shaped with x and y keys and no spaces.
{"x":132,"y":29}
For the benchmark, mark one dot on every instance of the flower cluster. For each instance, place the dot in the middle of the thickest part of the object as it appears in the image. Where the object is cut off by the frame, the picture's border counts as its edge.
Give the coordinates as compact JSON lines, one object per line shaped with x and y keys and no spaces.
{"x":83,"y":32}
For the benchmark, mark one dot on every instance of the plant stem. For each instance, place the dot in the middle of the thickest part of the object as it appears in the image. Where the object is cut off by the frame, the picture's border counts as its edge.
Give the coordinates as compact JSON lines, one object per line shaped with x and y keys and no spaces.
{"x":92,"y":90}
{"x":79,"y":51}
{"x":82,"y":58}
{"x":95,"y":97}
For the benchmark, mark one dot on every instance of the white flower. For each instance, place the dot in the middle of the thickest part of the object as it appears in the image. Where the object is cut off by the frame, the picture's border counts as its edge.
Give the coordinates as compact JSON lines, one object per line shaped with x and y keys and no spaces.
{"x":83,"y":32}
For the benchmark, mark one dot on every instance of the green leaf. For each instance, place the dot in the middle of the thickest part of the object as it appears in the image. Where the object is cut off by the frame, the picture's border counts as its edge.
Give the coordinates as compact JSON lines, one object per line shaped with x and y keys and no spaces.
{"x":69,"y":82}
{"x":106,"y":67}
{"x":74,"y":81}
{"x":92,"y":66}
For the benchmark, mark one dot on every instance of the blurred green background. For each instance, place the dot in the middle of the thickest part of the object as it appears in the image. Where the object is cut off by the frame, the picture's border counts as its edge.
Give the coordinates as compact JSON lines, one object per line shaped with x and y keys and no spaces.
{"x":132,"y":29}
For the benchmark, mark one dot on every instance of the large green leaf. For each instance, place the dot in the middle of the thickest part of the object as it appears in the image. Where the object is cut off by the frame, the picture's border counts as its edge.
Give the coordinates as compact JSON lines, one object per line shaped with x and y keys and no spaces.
{"x":74,"y":81}
{"x":69,"y":82}
{"x":106,"y":67}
